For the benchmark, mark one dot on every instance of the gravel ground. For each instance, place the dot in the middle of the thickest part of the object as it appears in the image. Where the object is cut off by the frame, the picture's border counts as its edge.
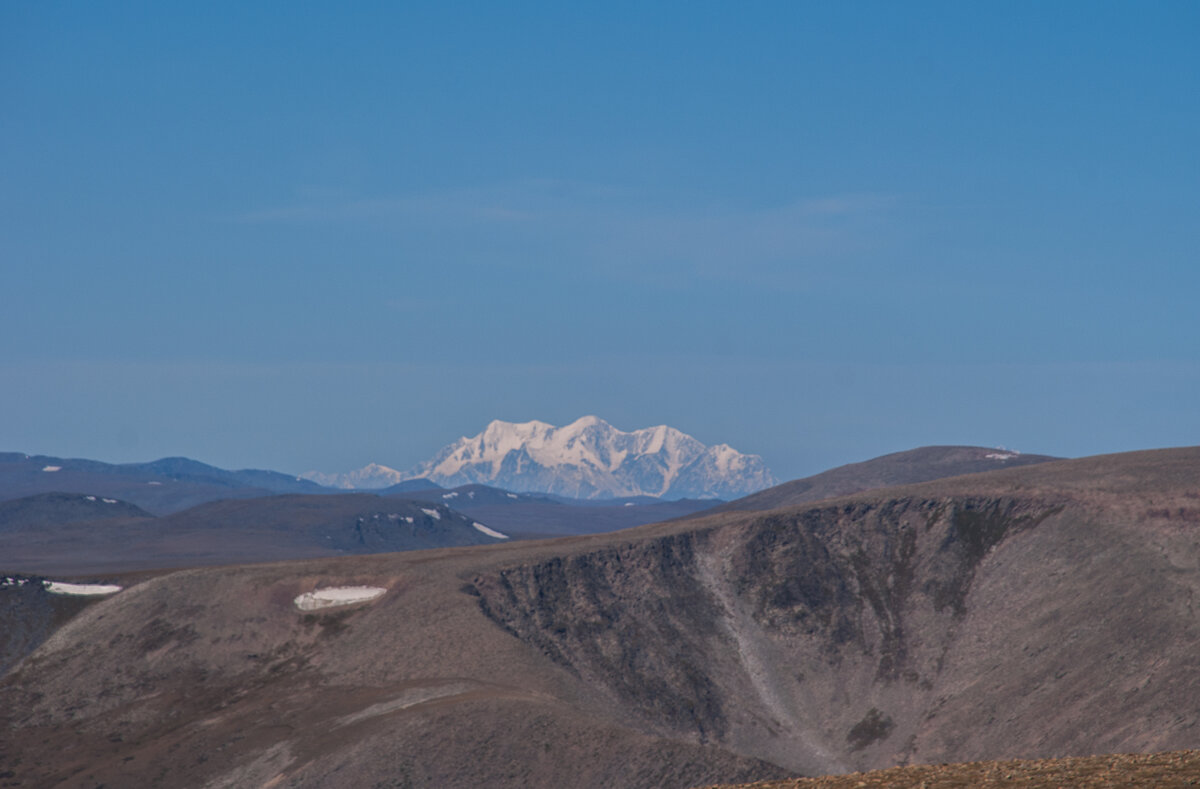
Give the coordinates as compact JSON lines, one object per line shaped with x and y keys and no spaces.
{"x":1172,"y":769}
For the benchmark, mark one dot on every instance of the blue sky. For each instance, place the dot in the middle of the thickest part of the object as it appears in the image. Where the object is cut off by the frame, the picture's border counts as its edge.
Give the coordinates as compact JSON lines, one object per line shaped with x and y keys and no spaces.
{"x":303,"y":237}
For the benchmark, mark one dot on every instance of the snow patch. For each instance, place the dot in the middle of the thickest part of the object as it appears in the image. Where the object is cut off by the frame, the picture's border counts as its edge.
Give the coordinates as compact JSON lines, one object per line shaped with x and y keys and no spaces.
{"x":512,"y":495}
{"x":437,"y":516}
{"x":489,"y":532}
{"x":60,"y":587}
{"x":52,"y":468}
{"x":1000,"y":456}
{"x":452,"y":495}
{"x":153,"y":483}
{"x":109,"y":501}
{"x":337,"y":595}
{"x":90,"y":498}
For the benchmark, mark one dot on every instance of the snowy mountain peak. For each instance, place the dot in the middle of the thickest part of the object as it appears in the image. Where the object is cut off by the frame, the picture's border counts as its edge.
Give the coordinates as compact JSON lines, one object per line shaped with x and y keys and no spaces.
{"x":368,"y":477}
{"x":589,"y":458}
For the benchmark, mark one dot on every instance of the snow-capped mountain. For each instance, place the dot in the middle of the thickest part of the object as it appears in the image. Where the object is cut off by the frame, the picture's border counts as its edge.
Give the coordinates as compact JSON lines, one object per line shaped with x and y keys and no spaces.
{"x":369,"y":477}
{"x":590,"y":458}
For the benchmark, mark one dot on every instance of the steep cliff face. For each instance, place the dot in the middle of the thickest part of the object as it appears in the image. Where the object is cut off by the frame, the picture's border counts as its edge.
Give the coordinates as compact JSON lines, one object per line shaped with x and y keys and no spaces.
{"x":829,"y":639}
{"x":607,"y":615}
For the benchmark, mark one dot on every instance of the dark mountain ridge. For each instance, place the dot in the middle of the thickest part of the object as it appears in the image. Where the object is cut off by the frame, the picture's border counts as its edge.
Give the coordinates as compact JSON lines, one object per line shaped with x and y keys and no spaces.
{"x":160,"y":487}
{"x":227,"y":531}
{"x":52,"y":509}
{"x":535,"y":515}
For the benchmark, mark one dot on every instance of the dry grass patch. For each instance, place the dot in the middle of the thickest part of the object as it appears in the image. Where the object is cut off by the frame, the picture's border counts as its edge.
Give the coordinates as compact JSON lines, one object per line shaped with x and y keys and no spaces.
{"x":1173,"y":769}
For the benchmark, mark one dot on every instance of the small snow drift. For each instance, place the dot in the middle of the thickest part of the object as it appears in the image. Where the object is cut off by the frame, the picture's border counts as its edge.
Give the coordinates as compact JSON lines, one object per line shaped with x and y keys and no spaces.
{"x":338,"y":595}
{"x":489,"y":532}
{"x":437,"y":516}
{"x":52,"y":468}
{"x":60,"y":587}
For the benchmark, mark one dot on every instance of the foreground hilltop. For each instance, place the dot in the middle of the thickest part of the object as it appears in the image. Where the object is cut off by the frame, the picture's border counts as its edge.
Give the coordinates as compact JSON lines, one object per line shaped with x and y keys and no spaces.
{"x":899,"y":468}
{"x":1040,"y":611}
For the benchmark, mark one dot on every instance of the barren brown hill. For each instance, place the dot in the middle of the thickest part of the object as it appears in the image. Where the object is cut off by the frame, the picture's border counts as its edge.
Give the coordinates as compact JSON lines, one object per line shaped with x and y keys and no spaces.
{"x":1042,"y":611}
{"x":899,"y":468}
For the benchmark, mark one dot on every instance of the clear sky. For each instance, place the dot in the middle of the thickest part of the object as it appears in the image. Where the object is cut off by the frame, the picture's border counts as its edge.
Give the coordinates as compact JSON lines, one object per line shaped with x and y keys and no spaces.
{"x":300,"y":236}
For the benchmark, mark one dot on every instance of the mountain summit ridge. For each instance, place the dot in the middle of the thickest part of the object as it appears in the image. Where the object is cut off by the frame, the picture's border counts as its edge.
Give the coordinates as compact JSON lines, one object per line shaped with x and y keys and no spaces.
{"x":588,"y":459}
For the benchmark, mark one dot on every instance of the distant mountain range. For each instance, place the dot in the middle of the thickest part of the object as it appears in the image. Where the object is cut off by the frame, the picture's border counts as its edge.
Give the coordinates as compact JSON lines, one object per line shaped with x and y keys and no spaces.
{"x":160,"y":486}
{"x":587,"y":459}
{"x":81,"y":533}
{"x":372,"y":476}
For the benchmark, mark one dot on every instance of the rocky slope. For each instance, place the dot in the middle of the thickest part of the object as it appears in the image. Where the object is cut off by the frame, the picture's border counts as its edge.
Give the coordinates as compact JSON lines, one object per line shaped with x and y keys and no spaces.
{"x":590,"y":458}
{"x":1041,"y":611}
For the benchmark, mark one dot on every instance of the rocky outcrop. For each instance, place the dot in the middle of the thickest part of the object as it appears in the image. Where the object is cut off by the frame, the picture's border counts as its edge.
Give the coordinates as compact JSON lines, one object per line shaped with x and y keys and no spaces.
{"x":819,"y":639}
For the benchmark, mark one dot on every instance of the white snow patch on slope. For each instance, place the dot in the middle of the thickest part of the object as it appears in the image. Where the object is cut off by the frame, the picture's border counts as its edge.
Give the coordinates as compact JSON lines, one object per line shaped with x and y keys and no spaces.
{"x":61,"y":587}
{"x":489,"y":532}
{"x":52,"y":468}
{"x":437,"y":516}
{"x":337,"y":595}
